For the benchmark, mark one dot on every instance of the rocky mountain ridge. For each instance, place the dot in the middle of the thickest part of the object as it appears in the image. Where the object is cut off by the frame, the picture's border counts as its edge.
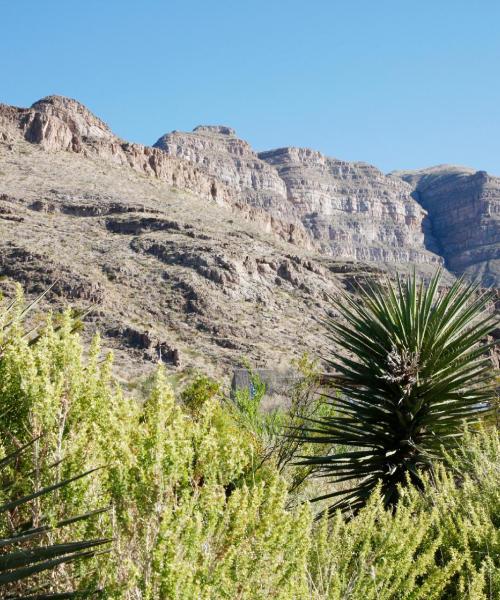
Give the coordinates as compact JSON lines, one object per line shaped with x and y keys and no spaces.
{"x":58,"y":123}
{"x":350,"y":210}
{"x":199,"y":250}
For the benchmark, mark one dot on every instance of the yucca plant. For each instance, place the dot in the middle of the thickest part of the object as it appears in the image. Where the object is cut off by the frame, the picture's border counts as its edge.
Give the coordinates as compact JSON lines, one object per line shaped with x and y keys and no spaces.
{"x":411,"y":367}
{"x":24,"y":551}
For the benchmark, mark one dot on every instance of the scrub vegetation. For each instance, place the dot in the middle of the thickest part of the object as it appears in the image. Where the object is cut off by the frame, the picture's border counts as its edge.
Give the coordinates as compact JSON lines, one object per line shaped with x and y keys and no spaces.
{"x":202,"y":496}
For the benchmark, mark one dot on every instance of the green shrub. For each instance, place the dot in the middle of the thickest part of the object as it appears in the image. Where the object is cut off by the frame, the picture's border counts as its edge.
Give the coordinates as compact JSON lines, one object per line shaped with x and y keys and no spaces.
{"x":188,"y":517}
{"x":444,"y":543}
{"x":196,"y":515}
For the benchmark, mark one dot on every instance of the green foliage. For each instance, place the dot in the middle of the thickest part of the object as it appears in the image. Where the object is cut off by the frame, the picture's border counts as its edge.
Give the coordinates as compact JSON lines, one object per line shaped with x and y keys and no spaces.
{"x":201,"y":390}
{"x":266,"y":425}
{"x":189,"y":518}
{"x":444,"y":543}
{"x":195,"y":514}
{"x":412,"y":370}
{"x":24,"y":550}
{"x":31,"y":544}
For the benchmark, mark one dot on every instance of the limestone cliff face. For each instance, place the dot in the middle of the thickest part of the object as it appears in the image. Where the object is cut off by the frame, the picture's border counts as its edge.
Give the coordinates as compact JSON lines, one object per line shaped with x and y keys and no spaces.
{"x":341,"y":210}
{"x":56,"y":123}
{"x":256,"y":187}
{"x":353,"y":209}
{"x":464,"y":208}
{"x":350,"y":210}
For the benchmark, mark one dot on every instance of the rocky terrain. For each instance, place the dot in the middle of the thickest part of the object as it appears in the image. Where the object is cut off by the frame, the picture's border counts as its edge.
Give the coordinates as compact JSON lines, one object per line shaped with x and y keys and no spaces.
{"x":199,"y":251}
{"x":464,"y":209}
{"x":350,"y":210}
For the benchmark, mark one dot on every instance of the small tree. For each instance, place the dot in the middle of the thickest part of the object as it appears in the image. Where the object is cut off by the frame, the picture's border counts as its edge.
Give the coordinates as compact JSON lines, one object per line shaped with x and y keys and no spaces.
{"x":411,"y":370}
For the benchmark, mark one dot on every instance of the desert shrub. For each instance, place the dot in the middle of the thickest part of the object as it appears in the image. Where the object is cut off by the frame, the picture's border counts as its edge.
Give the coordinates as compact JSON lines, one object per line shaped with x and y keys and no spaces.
{"x":196,"y":515}
{"x":273,"y":429}
{"x":199,"y":391}
{"x":443,"y":543}
{"x":188,"y":518}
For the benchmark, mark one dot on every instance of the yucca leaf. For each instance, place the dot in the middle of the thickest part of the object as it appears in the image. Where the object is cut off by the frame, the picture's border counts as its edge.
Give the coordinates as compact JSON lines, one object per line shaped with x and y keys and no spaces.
{"x":411,"y":366}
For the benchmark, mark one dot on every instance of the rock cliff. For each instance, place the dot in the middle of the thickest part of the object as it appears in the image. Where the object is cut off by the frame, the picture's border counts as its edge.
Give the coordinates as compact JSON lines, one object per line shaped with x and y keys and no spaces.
{"x":57,"y":123}
{"x":169,"y":276}
{"x":232,"y":160}
{"x":350,"y":210}
{"x":464,"y":209}
{"x":199,"y":251}
{"x":353,"y":210}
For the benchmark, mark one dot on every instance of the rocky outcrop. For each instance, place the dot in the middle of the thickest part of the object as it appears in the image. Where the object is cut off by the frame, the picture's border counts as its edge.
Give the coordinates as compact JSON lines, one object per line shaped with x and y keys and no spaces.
{"x":352,"y":209}
{"x":201,"y":251}
{"x":258,"y":190}
{"x":232,"y":160}
{"x":187,"y":283}
{"x":343,"y":210}
{"x":464,"y":209}
{"x":58,"y":123}
{"x":63,"y":123}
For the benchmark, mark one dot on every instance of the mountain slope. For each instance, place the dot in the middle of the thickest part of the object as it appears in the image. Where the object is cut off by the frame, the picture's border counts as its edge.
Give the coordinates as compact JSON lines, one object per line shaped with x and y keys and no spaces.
{"x":199,"y":251}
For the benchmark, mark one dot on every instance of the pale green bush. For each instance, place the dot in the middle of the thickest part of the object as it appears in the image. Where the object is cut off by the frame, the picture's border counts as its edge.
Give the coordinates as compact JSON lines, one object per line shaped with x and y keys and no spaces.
{"x":190,"y":517}
{"x":443,"y":543}
{"x":197,"y":514}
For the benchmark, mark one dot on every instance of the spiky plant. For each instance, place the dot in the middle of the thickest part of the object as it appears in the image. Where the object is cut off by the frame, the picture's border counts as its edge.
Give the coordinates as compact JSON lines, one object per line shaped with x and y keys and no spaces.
{"x":411,"y":368}
{"x":24,"y":550}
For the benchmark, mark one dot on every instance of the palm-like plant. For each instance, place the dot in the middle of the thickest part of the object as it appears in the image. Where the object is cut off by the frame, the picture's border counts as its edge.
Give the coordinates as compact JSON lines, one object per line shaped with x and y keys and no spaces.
{"x":411,"y":370}
{"x":24,"y":553}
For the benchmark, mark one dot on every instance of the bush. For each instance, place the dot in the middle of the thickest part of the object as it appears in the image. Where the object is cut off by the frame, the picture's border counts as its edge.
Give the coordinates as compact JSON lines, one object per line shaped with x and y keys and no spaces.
{"x":188,"y":518}
{"x":444,"y":543}
{"x":196,"y":515}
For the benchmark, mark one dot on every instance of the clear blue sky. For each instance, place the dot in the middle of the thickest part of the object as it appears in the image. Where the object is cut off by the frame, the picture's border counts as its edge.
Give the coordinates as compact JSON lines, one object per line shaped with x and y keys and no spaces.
{"x":398,"y":83}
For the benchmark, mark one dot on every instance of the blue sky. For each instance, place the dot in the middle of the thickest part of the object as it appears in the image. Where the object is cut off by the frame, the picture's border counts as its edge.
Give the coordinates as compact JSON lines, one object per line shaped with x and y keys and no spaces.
{"x":397,"y":83}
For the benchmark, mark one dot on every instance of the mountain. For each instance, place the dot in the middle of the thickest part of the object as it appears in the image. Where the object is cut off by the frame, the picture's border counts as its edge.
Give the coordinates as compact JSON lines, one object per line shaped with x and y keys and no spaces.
{"x":349,"y":210}
{"x":200,"y":251}
{"x":464,"y":209}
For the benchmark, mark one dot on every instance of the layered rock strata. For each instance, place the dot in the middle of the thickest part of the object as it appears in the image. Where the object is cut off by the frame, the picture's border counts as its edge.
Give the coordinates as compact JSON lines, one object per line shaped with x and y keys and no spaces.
{"x":58,"y":123}
{"x":350,"y":210}
{"x":464,"y":209}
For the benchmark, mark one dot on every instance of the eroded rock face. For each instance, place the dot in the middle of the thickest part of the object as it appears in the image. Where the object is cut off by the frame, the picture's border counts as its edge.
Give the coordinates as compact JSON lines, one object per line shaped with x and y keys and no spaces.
{"x":58,"y":123}
{"x":241,"y":266}
{"x":231,"y":160}
{"x":464,"y":208}
{"x":349,"y":210}
{"x":343,"y":210}
{"x":352,"y":209}
{"x":167,"y":280}
{"x":63,"y":123}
